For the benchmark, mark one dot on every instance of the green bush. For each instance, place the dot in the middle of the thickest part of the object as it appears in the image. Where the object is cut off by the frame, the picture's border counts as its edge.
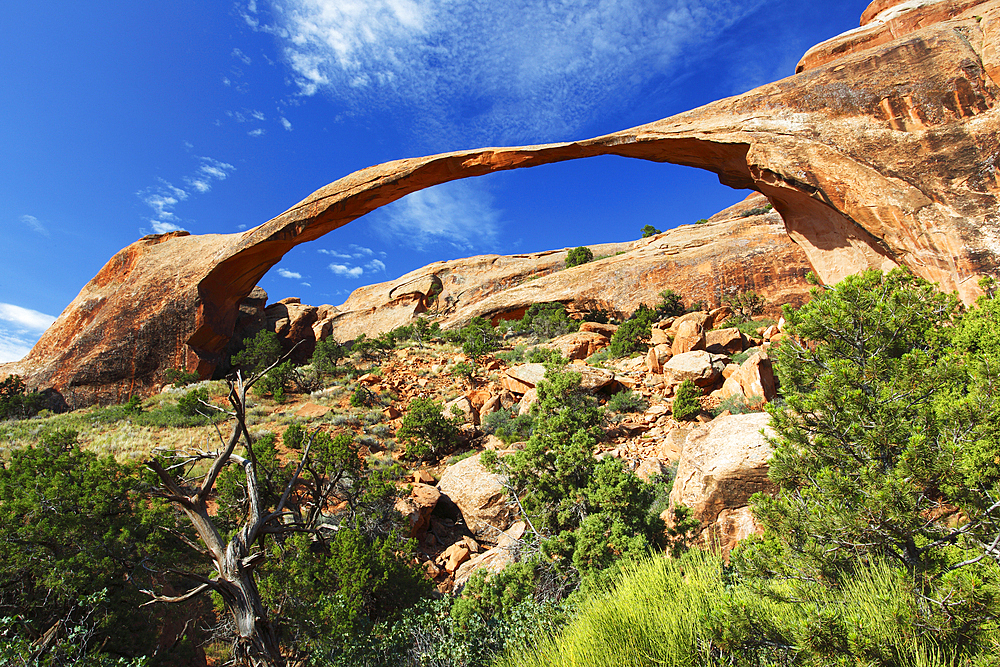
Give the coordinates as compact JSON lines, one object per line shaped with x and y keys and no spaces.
{"x":180,"y":377}
{"x":745,"y":305}
{"x":478,"y":338}
{"x":426,"y":432}
{"x":578,"y":256}
{"x":633,"y":335}
{"x":758,"y":210}
{"x":362,"y":397}
{"x":701,"y":221}
{"x":546,"y":320}
{"x":327,"y":356}
{"x":670,"y":304}
{"x":649,"y":230}
{"x":294,"y":436}
{"x":545,"y":355}
{"x":626,"y":401}
{"x":15,"y":401}
{"x":686,"y":404}
{"x":190,"y":403}
{"x":258,"y":352}
{"x":738,"y":404}
{"x":508,"y":425}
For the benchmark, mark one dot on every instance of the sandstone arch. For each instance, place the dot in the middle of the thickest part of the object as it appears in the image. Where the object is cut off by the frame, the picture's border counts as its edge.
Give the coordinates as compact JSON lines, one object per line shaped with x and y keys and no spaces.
{"x":874,"y":156}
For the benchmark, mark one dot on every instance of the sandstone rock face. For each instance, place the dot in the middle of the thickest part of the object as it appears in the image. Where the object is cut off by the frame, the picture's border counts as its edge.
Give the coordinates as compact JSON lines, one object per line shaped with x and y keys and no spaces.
{"x":880,"y":152}
{"x":754,"y":378}
{"x":579,"y":345}
{"x":479,"y":495}
{"x":699,"y":366}
{"x":418,"y":507}
{"x":721,"y":465}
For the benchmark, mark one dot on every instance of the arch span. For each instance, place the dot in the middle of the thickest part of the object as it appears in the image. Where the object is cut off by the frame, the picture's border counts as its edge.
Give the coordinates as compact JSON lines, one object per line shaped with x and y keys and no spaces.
{"x":873,"y":159}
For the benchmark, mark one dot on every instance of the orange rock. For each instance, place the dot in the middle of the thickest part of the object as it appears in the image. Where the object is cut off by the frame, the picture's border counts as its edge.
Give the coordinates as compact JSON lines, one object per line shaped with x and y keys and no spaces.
{"x":607,"y":330}
{"x":690,"y":336}
{"x":312,"y":410}
{"x":918,"y":78}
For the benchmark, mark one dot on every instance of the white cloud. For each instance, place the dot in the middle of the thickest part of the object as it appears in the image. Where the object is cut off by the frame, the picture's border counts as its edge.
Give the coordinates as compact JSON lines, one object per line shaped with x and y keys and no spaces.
{"x":25,"y":320}
{"x":493,"y":71}
{"x":334,"y":253}
{"x":163,"y":197}
{"x":346,"y":271}
{"x":256,"y":133}
{"x":34,"y":224}
{"x":375,"y":265}
{"x":285,"y":273}
{"x":242,"y":57}
{"x":20,"y":329}
{"x":285,"y":123}
{"x":459,"y":213}
{"x":160,"y":227}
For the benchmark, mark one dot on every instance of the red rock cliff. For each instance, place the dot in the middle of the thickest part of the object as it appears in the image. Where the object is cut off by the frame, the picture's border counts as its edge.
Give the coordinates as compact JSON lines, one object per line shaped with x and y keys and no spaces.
{"x":882,"y":151}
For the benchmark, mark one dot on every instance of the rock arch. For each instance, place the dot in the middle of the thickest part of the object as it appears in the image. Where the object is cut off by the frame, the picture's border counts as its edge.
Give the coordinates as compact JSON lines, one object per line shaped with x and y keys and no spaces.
{"x":874,"y":158}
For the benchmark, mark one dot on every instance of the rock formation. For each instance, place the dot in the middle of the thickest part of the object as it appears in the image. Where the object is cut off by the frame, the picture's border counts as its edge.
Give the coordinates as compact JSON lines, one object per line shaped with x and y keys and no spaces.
{"x":881,"y":151}
{"x":732,"y":250}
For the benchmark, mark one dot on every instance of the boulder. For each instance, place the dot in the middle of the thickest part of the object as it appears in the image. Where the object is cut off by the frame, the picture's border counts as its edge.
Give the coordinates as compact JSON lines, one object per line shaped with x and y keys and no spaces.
{"x":658,"y":336}
{"x":722,"y":464}
{"x":463,"y":407}
{"x":689,"y":336}
{"x":494,"y":560}
{"x":578,"y":345}
{"x":479,"y":496}
{"x":530,"y":398}
{"x":293,"y":323}
{"x":418,"y":506}
{"x":755,"y":377}
{"x":607,"y":330}
{"x":657,"y":356}
{"x":699,"y":366}
{"x":725,"y":341}
{"x":698,"y":317}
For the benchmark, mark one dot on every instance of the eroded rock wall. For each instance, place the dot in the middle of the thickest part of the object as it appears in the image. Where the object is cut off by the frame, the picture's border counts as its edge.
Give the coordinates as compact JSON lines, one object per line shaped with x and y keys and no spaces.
{"x":882,"y":151}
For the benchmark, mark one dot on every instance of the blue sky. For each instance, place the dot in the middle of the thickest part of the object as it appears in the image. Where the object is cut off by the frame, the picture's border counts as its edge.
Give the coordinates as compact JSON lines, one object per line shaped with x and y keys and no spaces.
{"x":126,"y":118}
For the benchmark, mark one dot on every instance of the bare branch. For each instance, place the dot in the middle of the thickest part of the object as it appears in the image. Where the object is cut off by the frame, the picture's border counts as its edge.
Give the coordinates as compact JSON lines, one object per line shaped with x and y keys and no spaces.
{"x":178,"y":598}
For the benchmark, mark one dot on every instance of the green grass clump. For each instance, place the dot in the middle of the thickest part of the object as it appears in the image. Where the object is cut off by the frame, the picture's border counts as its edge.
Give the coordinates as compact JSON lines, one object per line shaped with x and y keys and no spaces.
{"x":693,"y":611}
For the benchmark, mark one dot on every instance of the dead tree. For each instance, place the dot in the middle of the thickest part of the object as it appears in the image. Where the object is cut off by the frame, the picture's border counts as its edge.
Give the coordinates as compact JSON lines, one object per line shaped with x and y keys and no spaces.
{"x":234,"y":561}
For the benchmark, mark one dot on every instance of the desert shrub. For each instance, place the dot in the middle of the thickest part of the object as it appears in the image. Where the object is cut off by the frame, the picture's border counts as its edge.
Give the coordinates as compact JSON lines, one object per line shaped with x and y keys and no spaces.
{"x":578,"y":256}
{"x":745,"y":305}
{"x":426,"y":432}
{"x":544,"y":355}
{"x":190,"y":403}
{"x":686,"y":404}
{"x":294,"y":436}
{"x":757,"y":210}
{"x":373,"y":349}
{"x":512,"y":357}
{"x":78,"y":540}
{"x":546,"y":320}
{"x":277,"y":382}
{"x":180,"y":377}
{"x":632,"y":335}
{"x":464,"y":370}
{"x":587,"y":514}
{"x":258,"y":352}
{"x":649,"y":230}
{"x":626,"y":401}
{"x":508,"y":425}
{"x":327,"y":356}
{"x":670,"y":304}
{"x":15,"y":400}
{"x":479,"y":338}
{"x":738,"y":404}
{"x":362,"y":397}
{"x":701,"y":221}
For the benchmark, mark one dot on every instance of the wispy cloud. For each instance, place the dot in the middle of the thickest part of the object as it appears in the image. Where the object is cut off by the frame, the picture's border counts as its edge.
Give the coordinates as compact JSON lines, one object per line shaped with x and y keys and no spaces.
{"x":285,"y":273}
{"x":20,"y":329}
{"x":492,"y":71}
{"x":242,"y":57}
{"x":34,"y":224}
{"x":346,"y":271}
{"x":285,"y":123}
{"x":257,"y":133}
{"x":164,"y":197}
{"x":460,"y":214}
